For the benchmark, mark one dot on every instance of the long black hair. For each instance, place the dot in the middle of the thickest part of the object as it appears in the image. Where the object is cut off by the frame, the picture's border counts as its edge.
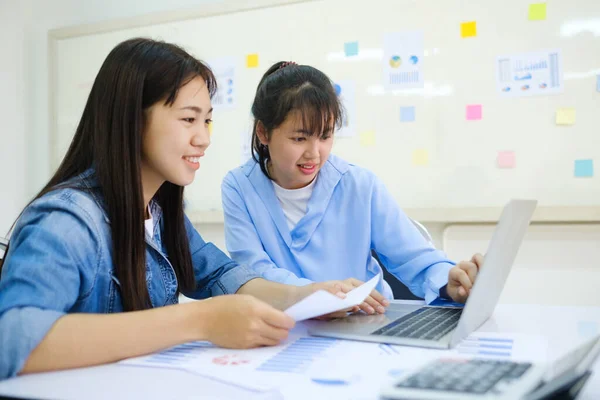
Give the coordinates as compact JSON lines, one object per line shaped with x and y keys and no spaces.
{"x":287,"y":87}
{"x":136,"y":74}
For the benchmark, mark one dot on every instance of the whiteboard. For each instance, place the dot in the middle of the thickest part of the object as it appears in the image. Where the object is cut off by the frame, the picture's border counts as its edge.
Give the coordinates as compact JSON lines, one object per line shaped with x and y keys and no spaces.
{"x":462,"y":170}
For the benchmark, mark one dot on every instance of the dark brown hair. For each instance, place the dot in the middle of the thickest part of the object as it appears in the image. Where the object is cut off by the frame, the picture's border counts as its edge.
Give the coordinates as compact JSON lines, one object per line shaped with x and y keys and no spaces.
{"x":287,"y":87}
{"x":135,"y":75}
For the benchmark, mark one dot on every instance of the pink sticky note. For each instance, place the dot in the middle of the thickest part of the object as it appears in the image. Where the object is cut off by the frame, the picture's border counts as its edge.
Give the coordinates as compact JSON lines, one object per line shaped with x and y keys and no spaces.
{"x":473,"y":112}
{"x":506,"y":159}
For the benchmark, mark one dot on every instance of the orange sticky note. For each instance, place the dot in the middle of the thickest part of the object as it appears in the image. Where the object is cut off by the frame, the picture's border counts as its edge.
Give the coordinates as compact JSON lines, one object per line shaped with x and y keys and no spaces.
{"x":420,"y":157}
{"x":367,"y":139}
{"x":252,"y":60}
{"x":506,"y":159}
{"x":468,"y":29}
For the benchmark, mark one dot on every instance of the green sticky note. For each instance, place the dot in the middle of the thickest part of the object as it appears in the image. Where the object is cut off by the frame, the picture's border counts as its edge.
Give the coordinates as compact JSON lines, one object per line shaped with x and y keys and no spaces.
{"x":537,"y":12}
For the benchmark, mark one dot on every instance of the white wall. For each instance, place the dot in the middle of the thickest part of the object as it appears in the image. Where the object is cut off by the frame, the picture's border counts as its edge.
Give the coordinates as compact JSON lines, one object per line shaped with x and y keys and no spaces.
{"x":24,"y":111}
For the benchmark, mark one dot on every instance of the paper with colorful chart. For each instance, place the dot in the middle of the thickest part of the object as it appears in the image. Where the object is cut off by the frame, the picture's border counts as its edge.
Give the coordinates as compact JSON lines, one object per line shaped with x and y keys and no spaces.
{"x":530,"y":74}
{"x":403,"y":55}
{"x":303,"y":365}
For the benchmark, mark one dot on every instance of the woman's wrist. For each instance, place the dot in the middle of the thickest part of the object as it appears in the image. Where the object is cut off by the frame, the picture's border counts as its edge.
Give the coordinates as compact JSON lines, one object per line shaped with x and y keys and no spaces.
{"x":195,"y":320}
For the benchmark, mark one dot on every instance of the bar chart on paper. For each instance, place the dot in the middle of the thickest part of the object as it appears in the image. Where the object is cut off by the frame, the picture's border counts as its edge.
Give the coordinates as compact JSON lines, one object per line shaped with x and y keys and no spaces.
{"x":299,"y":356}
{"x":175,"y":357}
{"x":404,"y":78}
{"x":516,"y":347}
{"x":204,"y":357}
{"x":482,"y":346}
{"x":526,"y":74}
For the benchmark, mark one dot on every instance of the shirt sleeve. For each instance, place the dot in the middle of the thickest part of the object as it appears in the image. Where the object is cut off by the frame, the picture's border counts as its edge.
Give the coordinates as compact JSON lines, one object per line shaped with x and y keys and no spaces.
{"x":403,"y":249}
{"x":243,"y":242}
{"x":215,"y":273}
{"x":42,"y":276}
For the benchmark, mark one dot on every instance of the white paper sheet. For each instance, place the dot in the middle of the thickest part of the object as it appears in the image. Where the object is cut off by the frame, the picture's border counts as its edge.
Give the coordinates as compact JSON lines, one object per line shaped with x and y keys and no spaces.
{"x":503,"y":346}
{"x":530,"y":74}
{"x":225,"y":73}
{"x":258,"y":370}
{"x":309,"y":367}
{"x":322,"y":302}
{"x":403,"y":56}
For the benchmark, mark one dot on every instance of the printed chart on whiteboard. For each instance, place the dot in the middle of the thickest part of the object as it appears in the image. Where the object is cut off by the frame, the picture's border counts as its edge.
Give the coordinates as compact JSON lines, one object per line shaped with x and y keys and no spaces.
{"x":530,"y":74}
{"x":225,"y":73}
{"x":402,"y":60}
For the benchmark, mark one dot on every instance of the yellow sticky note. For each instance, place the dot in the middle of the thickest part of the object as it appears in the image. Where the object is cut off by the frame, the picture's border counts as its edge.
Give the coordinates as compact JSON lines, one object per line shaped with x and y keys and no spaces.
{"x":367,"y":139}
{"x":210,"y":128}
{"x":565,"y":116}
{"x":252,"y":60}
{"x":537,"y":12}
{"x":468,"y":29}
{"x":420,"y":157}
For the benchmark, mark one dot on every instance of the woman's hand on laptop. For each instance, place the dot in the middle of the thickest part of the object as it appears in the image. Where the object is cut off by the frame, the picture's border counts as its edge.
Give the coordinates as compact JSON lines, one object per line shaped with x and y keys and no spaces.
{"x":462,"y":277}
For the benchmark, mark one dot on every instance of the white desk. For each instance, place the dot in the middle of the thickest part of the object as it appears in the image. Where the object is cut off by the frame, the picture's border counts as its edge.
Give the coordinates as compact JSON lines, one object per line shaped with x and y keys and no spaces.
{"x":564,"y":327}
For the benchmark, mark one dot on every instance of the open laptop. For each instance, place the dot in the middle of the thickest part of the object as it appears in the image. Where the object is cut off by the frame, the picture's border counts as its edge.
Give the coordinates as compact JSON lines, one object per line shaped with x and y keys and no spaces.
{"x":461,"y":379}
{"x":443,"y":327}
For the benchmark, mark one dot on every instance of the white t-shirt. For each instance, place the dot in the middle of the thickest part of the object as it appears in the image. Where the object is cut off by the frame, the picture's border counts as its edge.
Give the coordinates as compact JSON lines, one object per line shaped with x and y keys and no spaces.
{"x":294,"y":202}
{"x":149,"y":225}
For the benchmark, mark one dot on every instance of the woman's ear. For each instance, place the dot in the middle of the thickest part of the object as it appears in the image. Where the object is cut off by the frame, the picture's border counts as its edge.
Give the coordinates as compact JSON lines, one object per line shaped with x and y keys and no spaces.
{"x":261,"y":133}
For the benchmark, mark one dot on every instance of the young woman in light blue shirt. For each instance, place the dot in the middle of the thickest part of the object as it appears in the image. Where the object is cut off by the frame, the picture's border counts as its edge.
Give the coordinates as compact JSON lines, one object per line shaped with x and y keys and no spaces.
{"x":297,"y":214}
{"x":108,"y":233}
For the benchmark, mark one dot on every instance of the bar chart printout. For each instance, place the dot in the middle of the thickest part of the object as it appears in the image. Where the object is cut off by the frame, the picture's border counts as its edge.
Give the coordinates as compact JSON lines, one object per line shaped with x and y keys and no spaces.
{"x":530,"y":74}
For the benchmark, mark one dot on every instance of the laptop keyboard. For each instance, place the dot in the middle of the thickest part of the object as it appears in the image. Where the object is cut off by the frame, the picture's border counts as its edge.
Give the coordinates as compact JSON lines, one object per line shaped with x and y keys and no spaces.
{"x":464,"y":376}
{"x":430,"y":323}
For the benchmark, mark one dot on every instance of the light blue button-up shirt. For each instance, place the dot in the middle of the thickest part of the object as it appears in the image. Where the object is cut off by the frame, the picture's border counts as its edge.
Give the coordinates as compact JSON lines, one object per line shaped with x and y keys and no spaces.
{"x":349,"y":214}
{"x":60,"y":261}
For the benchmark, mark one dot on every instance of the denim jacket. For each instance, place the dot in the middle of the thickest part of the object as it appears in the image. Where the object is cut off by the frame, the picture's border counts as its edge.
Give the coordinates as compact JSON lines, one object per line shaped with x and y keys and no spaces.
{"x":60,"y":261}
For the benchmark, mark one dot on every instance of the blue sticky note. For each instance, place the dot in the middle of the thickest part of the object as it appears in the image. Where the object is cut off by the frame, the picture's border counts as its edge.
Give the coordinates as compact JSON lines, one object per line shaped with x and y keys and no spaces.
{"x":598,"y":82}
{"x":351,"y":49}
{"x":584,"y":168}
{"x":407,"y":114}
